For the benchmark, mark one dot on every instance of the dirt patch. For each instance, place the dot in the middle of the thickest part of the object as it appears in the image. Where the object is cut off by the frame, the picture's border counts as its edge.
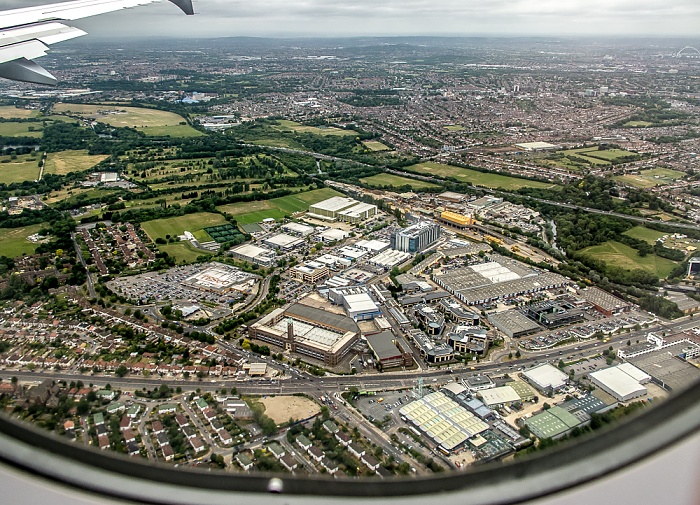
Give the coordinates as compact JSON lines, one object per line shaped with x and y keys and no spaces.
{"x":281,"y":408}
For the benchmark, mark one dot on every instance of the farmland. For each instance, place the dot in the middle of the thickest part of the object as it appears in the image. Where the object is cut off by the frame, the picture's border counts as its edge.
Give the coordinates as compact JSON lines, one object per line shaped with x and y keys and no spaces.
{"x":13,"y":129}
{"x":14,"y":240}
{"x":65,"y":162}
{"x":174,"y":226}
{"x":10,"y":112}
{"x":486,"y":179}
{"x":620,"y":255}
{"x":326,"y":130}
{"x":395,"y":181}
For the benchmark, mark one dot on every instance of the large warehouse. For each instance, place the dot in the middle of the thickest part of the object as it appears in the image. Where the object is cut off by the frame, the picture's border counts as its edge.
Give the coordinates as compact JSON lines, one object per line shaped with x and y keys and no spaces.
{"x":623,"y":382}
{"x":553,"y":423}
{"x":389,"y":350}
{"x":221,"y":278}
{"x":340,"y":208}
{"x":309,"y":331}
{"x":446,"y":422}
{"x":498,"y":279}
{"x":546,"y":378}
{"x":254,"y":254}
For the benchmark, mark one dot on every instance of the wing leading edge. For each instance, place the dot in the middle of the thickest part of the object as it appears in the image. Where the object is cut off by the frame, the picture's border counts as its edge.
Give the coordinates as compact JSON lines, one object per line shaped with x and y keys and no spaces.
{"x":26,"y":33}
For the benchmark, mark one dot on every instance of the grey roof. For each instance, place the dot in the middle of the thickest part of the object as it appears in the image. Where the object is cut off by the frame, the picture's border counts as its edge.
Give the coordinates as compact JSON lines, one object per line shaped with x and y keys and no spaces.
{"x":383,"y":345}
{"x":334,"y":320}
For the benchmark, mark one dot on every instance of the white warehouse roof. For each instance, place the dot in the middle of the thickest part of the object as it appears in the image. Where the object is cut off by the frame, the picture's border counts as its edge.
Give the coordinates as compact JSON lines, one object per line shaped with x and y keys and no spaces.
{"x":619,"y":383}
{"x":499,"y":396}
{"x":546,"y":376}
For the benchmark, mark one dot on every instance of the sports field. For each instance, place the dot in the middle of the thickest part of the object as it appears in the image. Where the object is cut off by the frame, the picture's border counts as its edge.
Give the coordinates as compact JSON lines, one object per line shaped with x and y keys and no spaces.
{"x":651,"y":178}
{"x":66,"y":162}
{"x":175,"y":226}
{"x":395,"y":181}
{"x":21,"y":130}
{"x":183,"y":252}
{"x":24,"y":168}
{"x":11,"y":112}
{"x":375,"y":146}
{"x":486,"y":179}
{"x":620,"y":255}
{"x":282,"y":408}
{"x":324,"y":130}
{"x":646,"y":234}
{"x":14,"y":240}
{"x":150,"y":121}
{"x":277,"y":208}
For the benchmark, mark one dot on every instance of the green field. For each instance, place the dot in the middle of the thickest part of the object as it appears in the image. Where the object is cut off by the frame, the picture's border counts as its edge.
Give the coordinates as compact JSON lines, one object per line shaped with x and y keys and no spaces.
{"x":66,"y":162}
{"x":277,"y":208}
{"x":651,"y":178}
{"x":597,"y":157}
{"x":183,"y":252}
{"x":646,"y":234}
{"x":150,"y":121}
{"x":395,"y":181}
{"x":375,"y":146}
{"x":24,"y":168}
{"x":325,"y":130}
{"x":10,"y":112}
{"x":487,"y":179}
{"x":637,"y":124}
{"x":14,"y":240}
{"x":454,"y":127}
{"x":175,"y":226}
{"x":21,"y":130}
{"x":620,"y":255}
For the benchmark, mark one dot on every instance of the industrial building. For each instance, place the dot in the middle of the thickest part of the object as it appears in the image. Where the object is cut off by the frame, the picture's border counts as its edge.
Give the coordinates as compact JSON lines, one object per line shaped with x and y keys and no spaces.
{"x":308,"y":331}
{"x":389,"y":350}
{"x":536,"y":146}
{"x":372,"y":246}
{"x":496,"y":397}
{"x":339,"y":208}
{"x":416,"y":237}
{"x":311,"y":272}
{"x":283,"y":242}
{"x":546,"y":378}
{"x":443,"y":420}
{"x":499,"y":278}
{"x":693,"y":267}
{"x":302,"y":230}
{"x":604,"y":302}
{"x":254,"y":254}
{"x":357,"y":301}
{"x":389,"y":259}
{"x":333,"y":235}
{"x":455,"y":219}
{"x":513,"y":323}
{"x":667,"y":365}
{"x":553,"y":423}
{"x":429,"y":350}
{"x":622,"y":382}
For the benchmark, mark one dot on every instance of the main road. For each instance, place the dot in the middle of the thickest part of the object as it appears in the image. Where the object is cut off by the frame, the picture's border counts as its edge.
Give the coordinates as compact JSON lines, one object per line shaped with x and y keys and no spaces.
{"x":306,"y":383}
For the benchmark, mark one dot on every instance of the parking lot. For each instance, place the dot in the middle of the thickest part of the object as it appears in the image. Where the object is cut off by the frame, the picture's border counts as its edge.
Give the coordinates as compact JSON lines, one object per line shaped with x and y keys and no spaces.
{"x":377,"y":407}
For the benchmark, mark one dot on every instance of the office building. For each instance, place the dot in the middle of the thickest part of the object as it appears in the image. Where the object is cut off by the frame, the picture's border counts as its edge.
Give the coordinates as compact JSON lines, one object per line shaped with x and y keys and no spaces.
{"x":416,"y":238}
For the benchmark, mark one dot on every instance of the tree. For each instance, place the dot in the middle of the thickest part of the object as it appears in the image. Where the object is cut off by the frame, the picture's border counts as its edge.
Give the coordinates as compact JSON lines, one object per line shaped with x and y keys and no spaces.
{"x":121,"y":371}
{"x":518,"y":354}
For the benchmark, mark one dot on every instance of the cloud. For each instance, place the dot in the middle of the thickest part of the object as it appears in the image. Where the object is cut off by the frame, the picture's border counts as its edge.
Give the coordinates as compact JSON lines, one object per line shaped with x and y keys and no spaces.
{"x":400,"y":17}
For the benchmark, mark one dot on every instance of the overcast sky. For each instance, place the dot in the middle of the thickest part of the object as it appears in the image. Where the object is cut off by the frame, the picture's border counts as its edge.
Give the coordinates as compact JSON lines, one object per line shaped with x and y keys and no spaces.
{"x":399,"y":17}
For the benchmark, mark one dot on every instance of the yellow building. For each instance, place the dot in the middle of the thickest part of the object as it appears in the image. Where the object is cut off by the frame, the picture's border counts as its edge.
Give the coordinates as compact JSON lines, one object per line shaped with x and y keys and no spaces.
{"x":455,"y":219}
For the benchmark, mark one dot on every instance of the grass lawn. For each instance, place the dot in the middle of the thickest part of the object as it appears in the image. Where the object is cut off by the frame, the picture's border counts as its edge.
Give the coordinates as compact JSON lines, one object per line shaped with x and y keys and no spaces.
{"x":651,"y":178}
{"x":620,"y":255}
{"x":183,"y":252}
{"x":24,"y":168}
{"x":150,"y":121}
{"x":66,"y":162}
{"x":395,"y":181}
{"x":325,"y":130}
{"x":14,"y":240}
{"x":175,"y":226}
{"x":637,"y":124}
{"x":21,"y":130}
{"x":646,"y":234}
{"x":486,"y":179}
{"x":11,"y":112}
{"x":375,"y":146}
{"x":277,"y":208}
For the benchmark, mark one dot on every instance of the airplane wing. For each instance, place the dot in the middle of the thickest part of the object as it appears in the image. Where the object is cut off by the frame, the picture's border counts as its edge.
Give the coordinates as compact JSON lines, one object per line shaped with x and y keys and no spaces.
{"x":26,"y":33}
